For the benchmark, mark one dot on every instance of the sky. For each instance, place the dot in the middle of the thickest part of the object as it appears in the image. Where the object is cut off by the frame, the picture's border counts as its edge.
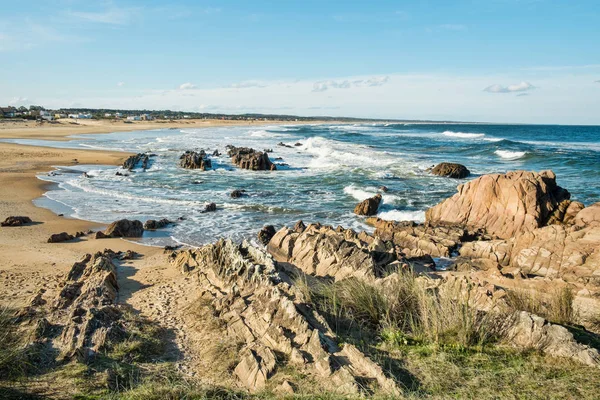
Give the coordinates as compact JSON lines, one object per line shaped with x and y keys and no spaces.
{"x":507,"y":61}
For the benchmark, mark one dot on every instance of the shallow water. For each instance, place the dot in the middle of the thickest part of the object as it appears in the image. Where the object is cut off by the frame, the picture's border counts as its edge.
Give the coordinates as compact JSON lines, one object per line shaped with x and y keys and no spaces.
{"x":334,"y":167}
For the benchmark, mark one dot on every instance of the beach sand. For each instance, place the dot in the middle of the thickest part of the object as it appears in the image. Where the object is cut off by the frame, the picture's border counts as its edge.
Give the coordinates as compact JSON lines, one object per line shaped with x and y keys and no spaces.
{"x":27,"y":261}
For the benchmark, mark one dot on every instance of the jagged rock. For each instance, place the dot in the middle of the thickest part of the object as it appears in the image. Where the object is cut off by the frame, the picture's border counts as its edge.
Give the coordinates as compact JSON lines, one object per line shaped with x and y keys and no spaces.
{"x":122,"y":228}
{"x":266,"y":233}
{"x":323,"y":251}
{"x":210,"y":207}
{"x":16,"y":221}
{"x":152,"y":224}
{"x":247,"y":158}
{"x":284,"y":145}
{"x":132,"y":161}
{"x":417,"y":240}
{"x":530,"y":331}
{"x":369,"y":206}
{"x":216,"y":153}
{"x":60,"y":237}
{"x":451,"y":170}
{"x":261,"y":308}
{"x":195,"y":160}
{"x":502,"y":204}
{"x":236,"y":194}
{"x":299,"y":227}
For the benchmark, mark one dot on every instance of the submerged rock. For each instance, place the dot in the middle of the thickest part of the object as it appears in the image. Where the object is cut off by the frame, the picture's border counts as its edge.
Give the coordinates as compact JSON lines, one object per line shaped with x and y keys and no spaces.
{"x":16,"y":221}
{"x":369,"y":206}
{"x":210,"y":207}
{"x":236,"y":194}
{"x":132,"y":161}
{"x":451,"y":170}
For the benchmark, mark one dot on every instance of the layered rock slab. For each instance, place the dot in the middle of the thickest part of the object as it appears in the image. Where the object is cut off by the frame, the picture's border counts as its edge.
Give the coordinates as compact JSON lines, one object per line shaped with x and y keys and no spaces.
{"x":263,"y":309}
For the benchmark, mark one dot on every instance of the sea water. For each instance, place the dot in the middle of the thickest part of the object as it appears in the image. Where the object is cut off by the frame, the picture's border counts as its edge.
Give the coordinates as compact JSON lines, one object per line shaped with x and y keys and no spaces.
{"x":327,"y":170}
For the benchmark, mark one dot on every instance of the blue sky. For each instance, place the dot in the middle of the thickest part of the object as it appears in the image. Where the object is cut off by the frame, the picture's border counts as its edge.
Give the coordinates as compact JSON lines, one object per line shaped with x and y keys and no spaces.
{"x":535,"y":61}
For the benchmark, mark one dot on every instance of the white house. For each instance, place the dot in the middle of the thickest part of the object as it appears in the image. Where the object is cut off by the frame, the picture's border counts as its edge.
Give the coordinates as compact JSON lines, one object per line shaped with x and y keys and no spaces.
{"x":118,"y":115}
{"x":134,"y":118}
{"x":107,"y":115}
{"x":45,"y":115}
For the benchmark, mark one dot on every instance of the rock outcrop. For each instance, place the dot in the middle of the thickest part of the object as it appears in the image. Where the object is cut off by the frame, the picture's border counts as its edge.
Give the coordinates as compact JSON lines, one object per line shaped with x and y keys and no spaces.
{"x":369,"y":206}
{"x":122,"y":228}
{"x":152,"y":224}
{"x":16,"y":221}
{"x":261,"y":308}
{"x":248,"y":158}
{"x":132,"y":161}
{"x":60,"y":237}
{"x":266,"y":234}
{"x":451,"y":170}
{"x":504,"y":204}
{"x":236,"y":194}
{"x":195,"y":160}
{"x":338,"y":253}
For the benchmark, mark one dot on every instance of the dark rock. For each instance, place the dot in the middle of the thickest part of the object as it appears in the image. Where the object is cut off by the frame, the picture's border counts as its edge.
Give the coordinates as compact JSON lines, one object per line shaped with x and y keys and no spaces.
{"x":299,"y":227}
{"x":369,"y":206}
{"x":152,"y":224}
{"x":248,"y":158}
{"x":236,"y":194}
{"x":210,"y":207}
{"x":60,"y":237}
{"x":134,"y":160}
{"x":268,"y":150}
{"x":195,"y":160}
{"x":298,"y":144}
{"x":384,"y":189}
{"x":451,"y":170}
{"x":172,"y":248}
{"x":16,"y":221}
{"x":266,"y":233}
{"x":122,"y":228}
{"x":284,"y":145}
{"x":216,"y":153}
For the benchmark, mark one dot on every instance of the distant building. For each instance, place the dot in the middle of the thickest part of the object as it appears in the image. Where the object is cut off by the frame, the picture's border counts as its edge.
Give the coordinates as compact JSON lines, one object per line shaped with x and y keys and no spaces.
{"x":118,"y":115}
{"x":107,"y":115}
{"x":134,"y":118}
{"x":146,"y":117}
{"x":45,"y":115}
{"x":80,"y":116}
{"x":8,"y":112}
{"x":60,"y":115}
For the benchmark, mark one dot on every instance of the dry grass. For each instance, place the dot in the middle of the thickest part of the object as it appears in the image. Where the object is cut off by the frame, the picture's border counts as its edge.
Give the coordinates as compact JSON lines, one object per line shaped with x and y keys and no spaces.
{"x":557,"y":306}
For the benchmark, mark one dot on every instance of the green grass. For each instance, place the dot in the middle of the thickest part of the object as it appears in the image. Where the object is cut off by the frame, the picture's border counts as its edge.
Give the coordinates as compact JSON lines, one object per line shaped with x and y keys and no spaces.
{"x":556,"y":306}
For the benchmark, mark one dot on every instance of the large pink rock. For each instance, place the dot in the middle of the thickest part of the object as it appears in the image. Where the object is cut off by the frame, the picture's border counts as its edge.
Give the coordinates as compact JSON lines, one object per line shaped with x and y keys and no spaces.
{"x":504,"y":204}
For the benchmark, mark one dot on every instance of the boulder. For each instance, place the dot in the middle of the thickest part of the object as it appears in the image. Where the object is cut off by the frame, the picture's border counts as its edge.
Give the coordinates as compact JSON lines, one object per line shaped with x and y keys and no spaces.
{"x":152,"y":224}
{"x":369,"y":206}
{"x":236,"y":194}
{"x":451,"y":170}
{"x":210,"y":207}
{"x":60,"y":237}
{"x":122,"y":228}
{"x":502,"y":204}
{"x":266,"y":233}
{"x":132,"y":161}
{"x":248,"y":158}
{"x":16,"y":221}
{"x":589,"y":216}
{"x":195,"y":160}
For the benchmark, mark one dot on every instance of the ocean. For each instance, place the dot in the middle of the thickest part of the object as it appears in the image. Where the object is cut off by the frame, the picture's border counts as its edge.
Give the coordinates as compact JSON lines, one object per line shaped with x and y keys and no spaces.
{"x":327,"y":170}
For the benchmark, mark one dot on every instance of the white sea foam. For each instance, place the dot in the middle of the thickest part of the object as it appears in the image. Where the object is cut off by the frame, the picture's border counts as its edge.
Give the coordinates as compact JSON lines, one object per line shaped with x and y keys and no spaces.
{"x":359,"y":194}
{"x":463,"y":135}
{"x":510,"y":155}
{"x":398,"y":215}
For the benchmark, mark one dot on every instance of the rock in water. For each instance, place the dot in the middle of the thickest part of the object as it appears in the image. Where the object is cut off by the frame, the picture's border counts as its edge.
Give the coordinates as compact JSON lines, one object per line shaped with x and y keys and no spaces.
{"x":369,"y":206}
{"x":152,"y":224}
{"x":210,"y":207}
{"x":266,"y":233}
{"x":132,"y":161}
{"x":248,"y":158}
{"x":122,"y":228}
{"x":195,"y":160}
{"x":451,"y":170}
{"x":503,"y":204}
{"x":236,"y":194}
{"x":16,"y":221}
{"x":61,"y":237}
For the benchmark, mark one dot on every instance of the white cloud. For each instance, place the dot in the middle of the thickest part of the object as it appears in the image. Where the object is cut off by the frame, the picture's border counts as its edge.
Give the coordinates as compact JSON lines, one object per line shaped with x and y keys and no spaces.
{"x":322,"y":86}
{"x":249,"y":84}
{"x":119,"y":84}
{"x":111,"y":16}
{"x":18,"y":101}
{"x":187,"y":86}
{"x":518,"y":87}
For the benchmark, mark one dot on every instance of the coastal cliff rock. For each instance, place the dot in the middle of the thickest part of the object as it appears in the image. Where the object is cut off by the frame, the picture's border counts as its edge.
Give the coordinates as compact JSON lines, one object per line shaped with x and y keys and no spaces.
{"x":84,"y":310}
{"x":132,"y":161}
{"x":16,"y":221}
{"x":122,"y":228}
{"x":266,"y":234}
{"x":195,"y":160}
{"x":262,"y":310}
{"x":451,"y":170}
{"x":248,"y":158}
{"x":369,"y":206}
{"x":503,"y":204}
{"x":338,"y":253}
{"x":417,"y":240}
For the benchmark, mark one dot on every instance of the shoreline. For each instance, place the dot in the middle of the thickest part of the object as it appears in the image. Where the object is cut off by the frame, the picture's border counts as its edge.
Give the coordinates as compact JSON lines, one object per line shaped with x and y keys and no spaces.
{"x":27,"y":261}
